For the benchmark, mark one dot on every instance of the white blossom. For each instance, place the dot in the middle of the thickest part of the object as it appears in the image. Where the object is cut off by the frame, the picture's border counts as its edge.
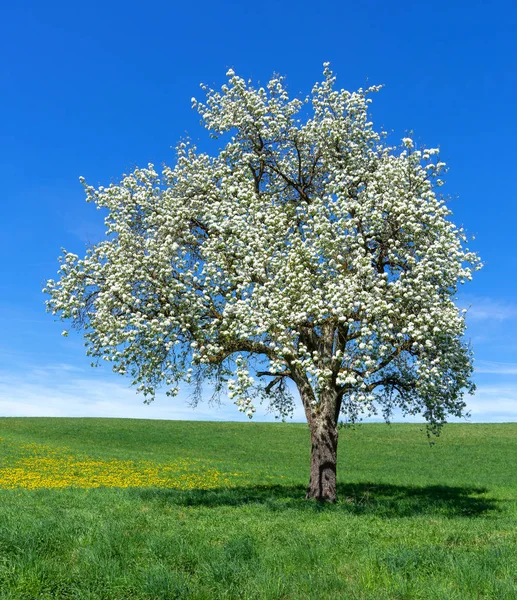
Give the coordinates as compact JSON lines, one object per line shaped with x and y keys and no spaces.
{"x":306,"y":249}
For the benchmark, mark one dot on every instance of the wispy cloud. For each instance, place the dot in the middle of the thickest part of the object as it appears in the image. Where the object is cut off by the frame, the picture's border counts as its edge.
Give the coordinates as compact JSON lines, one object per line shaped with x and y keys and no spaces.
{"x":493,"y":403}
{"x":64,"y":390}
{"x":483,"y":309}
{"x":499,"y":368}
{"x":60,"y":390}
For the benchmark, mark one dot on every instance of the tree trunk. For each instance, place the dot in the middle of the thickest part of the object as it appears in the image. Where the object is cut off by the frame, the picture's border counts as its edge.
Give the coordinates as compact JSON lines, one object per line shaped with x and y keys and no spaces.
{"x":324,"y":437}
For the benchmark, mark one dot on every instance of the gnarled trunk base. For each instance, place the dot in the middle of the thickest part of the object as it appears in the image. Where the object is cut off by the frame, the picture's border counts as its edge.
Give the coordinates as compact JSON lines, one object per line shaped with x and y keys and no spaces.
{"x":322,"y":485}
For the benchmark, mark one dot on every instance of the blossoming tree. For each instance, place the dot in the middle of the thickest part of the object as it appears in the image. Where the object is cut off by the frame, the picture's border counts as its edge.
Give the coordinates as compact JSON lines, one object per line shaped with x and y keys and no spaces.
{"x":307,"y":250}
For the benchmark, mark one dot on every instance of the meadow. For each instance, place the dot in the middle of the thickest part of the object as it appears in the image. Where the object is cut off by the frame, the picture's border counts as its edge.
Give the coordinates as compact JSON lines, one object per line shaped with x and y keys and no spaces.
{"x":118,"y":509}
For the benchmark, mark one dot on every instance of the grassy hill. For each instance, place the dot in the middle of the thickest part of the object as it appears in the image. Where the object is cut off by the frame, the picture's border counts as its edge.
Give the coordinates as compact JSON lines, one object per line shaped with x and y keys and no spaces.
{"x":129,"y":509}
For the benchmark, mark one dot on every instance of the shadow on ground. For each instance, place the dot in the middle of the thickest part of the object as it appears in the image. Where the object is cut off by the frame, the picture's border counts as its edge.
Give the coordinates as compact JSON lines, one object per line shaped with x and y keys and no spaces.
{"x":381,"y":500}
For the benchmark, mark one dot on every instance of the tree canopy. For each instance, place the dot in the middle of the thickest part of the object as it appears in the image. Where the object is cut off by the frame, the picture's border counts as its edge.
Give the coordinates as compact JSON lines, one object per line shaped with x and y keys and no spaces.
{"x":307,"y":249}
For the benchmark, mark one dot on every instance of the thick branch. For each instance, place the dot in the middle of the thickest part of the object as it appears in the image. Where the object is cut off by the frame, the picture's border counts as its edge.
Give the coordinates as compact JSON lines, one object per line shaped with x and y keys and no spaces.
{"x":233,"y":346}
{"x":391,"y":381}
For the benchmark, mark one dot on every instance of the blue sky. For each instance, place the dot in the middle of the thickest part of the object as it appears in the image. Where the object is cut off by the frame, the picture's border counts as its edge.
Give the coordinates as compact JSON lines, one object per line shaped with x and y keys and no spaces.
{"x":95,"y":89}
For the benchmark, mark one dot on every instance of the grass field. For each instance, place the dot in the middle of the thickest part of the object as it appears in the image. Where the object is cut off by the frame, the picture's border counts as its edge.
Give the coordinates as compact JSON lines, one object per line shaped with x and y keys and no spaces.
{"x":129,"y":509}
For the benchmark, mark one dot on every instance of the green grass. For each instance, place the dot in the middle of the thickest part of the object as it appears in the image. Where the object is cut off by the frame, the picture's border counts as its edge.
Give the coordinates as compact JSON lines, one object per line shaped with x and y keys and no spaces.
{"x":413,"y":520}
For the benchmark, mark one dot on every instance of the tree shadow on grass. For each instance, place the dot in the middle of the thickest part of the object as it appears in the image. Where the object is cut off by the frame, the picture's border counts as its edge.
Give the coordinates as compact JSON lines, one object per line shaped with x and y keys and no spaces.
{"x":376,"y":499}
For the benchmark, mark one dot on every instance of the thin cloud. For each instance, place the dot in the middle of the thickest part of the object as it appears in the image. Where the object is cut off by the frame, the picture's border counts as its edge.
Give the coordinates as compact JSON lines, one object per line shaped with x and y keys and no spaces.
{"x":62,"y":390}
{"x":493,"y":403}
{"x":486,"y":309}
{"x":499,"y":368}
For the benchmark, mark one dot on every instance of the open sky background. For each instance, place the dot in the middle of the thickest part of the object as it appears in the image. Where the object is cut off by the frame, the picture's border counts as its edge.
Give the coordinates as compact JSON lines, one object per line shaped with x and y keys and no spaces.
{"x":96,"y":88}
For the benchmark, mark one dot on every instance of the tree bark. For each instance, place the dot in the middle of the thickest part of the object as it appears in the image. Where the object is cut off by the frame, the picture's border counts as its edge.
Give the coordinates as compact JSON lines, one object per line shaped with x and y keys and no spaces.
{"x":324,"y":438}
{"x":322,"y":416}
